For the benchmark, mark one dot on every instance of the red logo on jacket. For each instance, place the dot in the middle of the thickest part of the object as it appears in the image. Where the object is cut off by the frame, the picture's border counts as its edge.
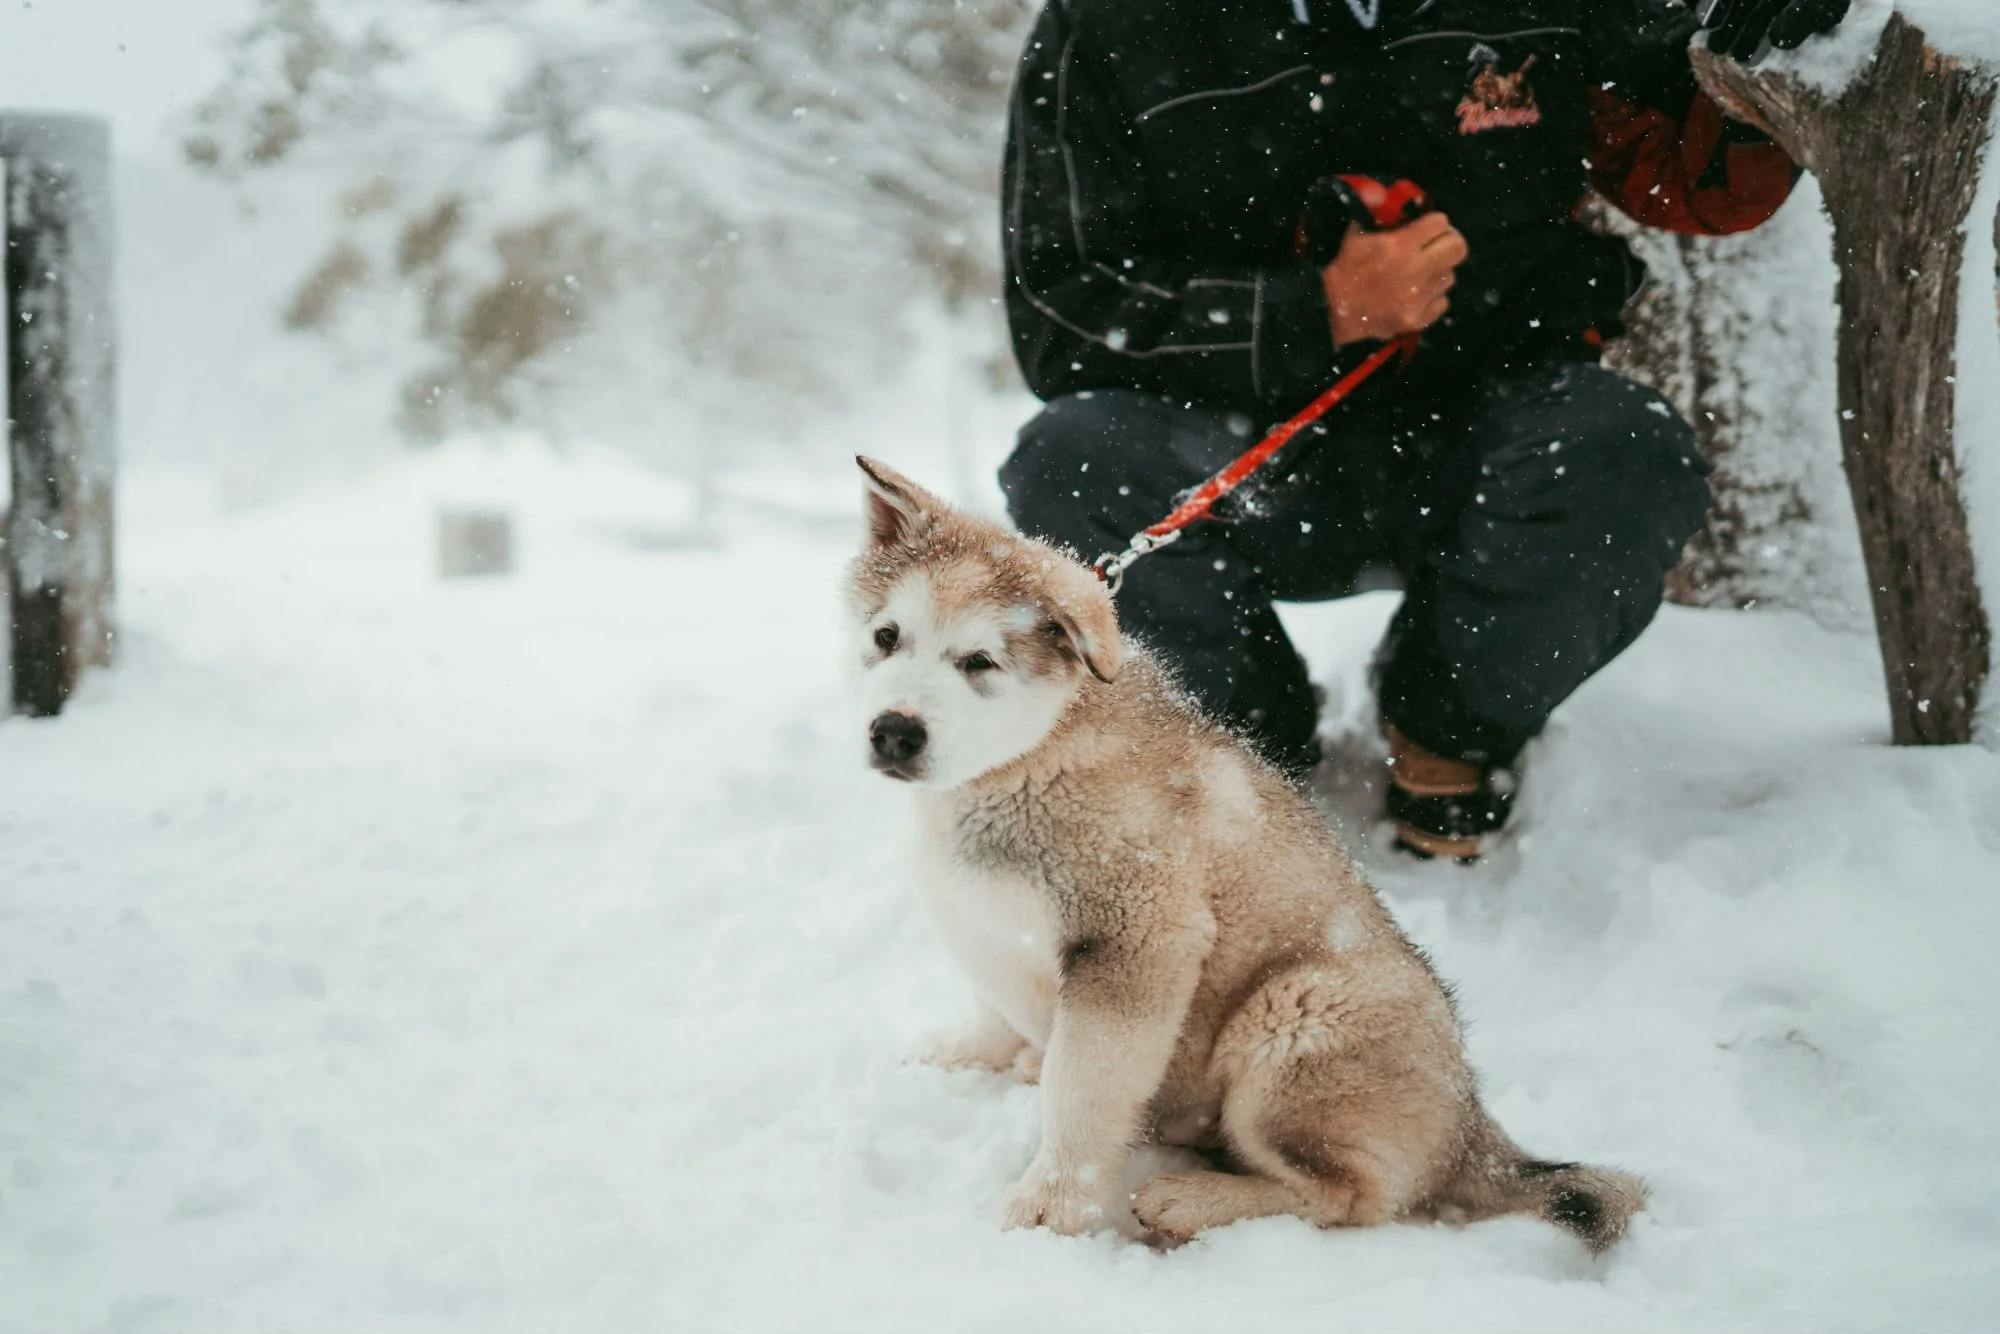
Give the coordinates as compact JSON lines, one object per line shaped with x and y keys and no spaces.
{"x":1499,"y":101}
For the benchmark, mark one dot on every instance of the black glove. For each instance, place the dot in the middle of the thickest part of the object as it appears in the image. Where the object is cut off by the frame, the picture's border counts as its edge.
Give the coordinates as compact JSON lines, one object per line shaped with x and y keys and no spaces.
{"x":1746,"y":30}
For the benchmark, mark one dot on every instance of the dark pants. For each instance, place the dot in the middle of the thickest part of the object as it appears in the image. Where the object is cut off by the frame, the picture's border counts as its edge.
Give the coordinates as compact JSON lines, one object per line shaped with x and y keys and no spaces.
{"x":1531,"y":521}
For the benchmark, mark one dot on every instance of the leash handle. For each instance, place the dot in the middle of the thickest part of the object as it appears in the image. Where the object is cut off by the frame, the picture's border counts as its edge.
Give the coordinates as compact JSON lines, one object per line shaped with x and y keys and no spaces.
{"x":1377,"y":207}
{"x":1333,"y":203}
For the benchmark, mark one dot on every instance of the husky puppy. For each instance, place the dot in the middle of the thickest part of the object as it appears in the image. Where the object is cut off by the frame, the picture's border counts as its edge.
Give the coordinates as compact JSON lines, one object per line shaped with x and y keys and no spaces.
{"x":1156,"y":924}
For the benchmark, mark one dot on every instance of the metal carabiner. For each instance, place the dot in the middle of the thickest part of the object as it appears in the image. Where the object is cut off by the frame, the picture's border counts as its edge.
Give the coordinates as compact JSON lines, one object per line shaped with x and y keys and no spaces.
{"x":1111,"y":566}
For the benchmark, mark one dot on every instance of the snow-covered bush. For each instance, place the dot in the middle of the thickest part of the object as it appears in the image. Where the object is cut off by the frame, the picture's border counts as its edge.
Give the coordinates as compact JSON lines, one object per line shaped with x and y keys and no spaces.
{"x":582,"y":216}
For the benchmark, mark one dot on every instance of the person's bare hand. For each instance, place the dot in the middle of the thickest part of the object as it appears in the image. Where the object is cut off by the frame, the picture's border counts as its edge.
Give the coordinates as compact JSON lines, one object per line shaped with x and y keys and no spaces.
{"x":1387,"y":284}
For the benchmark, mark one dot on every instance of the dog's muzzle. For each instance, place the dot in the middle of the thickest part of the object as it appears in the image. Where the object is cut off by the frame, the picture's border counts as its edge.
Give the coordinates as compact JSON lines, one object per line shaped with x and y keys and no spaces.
{"x":896,"y":742}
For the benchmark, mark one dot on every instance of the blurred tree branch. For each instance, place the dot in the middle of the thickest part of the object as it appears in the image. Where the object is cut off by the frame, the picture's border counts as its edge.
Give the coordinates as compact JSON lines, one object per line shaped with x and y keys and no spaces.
{"x":714,"y":187}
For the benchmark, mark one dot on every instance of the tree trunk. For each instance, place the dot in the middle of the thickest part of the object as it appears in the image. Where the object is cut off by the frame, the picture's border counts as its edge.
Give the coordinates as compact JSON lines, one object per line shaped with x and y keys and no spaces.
{"x":56,"y":547}
{"x":1898,"y":156}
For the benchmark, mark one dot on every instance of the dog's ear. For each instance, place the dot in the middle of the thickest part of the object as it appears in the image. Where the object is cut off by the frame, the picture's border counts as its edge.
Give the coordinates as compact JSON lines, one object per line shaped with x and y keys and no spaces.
{"x":898,"y":509}
{"x":1081,"y":608}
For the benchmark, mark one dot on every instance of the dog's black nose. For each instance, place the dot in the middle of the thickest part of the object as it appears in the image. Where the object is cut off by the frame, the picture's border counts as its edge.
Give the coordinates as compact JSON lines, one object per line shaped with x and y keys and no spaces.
{"x":896,"y":737}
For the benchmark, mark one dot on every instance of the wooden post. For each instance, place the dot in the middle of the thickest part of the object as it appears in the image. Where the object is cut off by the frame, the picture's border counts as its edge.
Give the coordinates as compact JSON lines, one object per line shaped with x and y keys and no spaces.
{"x":1898,"y":155}
{"x":56,"y":545}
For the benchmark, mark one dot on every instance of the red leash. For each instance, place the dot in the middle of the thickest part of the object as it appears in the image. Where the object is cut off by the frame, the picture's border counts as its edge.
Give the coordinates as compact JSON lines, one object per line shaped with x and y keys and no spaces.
{"x":1111,"y":567}
{"x":1374,"y":206}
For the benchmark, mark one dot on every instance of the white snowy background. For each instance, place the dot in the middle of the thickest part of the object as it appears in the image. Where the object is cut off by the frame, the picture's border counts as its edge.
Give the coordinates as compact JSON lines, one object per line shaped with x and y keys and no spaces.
{"x":535,"y":953}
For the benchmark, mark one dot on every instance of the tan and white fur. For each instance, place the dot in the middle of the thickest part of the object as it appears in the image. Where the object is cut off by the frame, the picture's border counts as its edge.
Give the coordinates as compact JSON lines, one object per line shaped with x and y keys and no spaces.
{"x":1155,"y":923}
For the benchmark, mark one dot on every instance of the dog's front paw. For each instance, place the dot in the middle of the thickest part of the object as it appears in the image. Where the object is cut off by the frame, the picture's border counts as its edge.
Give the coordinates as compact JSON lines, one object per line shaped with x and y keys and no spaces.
{"x":994,"y":1050}
{"x":1172,"y":1206}
{"x":1061,"y":1202}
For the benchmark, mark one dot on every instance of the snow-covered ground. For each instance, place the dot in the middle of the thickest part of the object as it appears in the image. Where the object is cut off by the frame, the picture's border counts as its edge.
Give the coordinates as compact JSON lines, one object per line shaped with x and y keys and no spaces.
{"x":534,"y":954}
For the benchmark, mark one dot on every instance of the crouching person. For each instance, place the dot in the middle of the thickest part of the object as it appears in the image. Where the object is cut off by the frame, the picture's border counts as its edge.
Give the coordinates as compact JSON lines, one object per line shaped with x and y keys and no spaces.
{"x":1530,"y":502}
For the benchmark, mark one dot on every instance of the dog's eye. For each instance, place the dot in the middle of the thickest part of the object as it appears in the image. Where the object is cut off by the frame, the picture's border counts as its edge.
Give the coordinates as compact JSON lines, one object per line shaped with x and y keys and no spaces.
{"x":886,"y":637}
{"x":972,"y":664}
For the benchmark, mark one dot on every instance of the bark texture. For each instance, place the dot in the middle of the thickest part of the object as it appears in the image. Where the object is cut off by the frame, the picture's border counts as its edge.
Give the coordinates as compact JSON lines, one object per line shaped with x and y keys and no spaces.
{"x":1898,"y":156}
{"x":57,"y":544}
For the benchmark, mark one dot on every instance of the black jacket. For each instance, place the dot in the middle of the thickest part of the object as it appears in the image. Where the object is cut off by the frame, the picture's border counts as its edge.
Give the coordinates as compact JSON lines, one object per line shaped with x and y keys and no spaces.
{"x":1159,"y":153}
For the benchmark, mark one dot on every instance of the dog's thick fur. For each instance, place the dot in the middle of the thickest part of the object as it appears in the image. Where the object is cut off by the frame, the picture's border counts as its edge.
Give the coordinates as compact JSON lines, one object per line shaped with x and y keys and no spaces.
{"x":1157,"y":923}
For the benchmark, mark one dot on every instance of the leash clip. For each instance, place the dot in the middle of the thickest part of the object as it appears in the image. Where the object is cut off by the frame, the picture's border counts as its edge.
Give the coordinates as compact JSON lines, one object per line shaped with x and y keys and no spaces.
{"x":1111,"y":566}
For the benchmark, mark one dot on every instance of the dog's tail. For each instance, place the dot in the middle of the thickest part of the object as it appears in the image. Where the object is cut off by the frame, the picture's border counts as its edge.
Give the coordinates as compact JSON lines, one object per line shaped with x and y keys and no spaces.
{"x":1593,"y":1202}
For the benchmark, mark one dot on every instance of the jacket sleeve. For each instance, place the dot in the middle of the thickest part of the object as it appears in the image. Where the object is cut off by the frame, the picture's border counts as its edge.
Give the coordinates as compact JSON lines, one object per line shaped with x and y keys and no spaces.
{"x":1664,"y":153}
{"x":1095,"y":298}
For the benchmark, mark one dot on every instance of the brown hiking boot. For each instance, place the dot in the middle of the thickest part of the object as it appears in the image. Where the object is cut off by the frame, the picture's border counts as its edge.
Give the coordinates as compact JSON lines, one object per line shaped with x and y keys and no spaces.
{"x":1441,"y":807}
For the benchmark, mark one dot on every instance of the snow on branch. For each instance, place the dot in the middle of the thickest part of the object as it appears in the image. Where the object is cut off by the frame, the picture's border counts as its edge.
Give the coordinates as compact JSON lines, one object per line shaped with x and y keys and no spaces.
{"x":641,"y":196}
